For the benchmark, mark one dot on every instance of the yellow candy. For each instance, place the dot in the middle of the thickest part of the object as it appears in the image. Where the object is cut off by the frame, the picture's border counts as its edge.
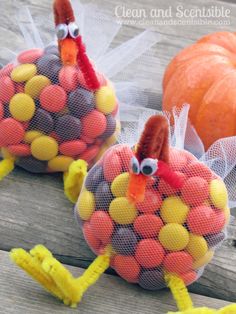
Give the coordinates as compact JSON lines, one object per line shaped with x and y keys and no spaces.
{"x":174,"y":237}
{"x":174,"y":210}
{"x":35,"y":85}
{"x":122,"y":211}
{"x":105,"y":100}
{"x":218,"y":194}
{"x":22,"y":107}
{"x":120,"y":185}
{"x":31,"y":135}
{"x":44,"y":148}
{"x":204,"y":260}
{"x":86,"y":205}
{"x":197,"y":246}
{"x":23,"y":72}
{"x":60,"y":163}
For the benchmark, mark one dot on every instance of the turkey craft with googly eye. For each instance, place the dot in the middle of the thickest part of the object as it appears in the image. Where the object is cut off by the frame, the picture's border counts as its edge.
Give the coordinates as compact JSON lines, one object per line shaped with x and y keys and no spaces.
{"x":152,"y":212}
{"x":58,"y":112}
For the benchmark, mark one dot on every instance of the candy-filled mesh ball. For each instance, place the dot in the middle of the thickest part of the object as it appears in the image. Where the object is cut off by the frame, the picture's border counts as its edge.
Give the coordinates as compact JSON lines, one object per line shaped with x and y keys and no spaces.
{"x":48,"y":115}
{"x":171,"y":231}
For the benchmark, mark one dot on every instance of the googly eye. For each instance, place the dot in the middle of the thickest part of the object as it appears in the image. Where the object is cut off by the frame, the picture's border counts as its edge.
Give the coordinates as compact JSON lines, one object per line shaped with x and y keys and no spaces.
{"x":62,"y":31}
{"x":135,"y":165}
{"x":73,"y":30}
{"x":148,"y":166}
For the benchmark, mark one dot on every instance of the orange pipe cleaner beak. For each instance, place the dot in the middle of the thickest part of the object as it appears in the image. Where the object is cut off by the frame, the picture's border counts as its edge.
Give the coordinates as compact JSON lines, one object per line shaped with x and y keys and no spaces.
{"x":137,"y":187}
{"x":69,"y":51}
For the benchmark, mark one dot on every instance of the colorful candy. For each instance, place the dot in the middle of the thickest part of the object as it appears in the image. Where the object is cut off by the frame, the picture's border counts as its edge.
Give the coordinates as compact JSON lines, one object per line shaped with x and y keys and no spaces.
{"x":105,"y":100}
{"x":7,"y":89}
{"x":23,"y":72}
{"x":60,"y":163}
{"x":44,"y":148}
{"x":35,"y":85}
{"x":171,"y":231}
{"x":218,"y":194}
{"x":11,"y":132}
{"x":94,"y":124}
{"x":173,"y":209}
{"x":53,"y":98}
{"x":22,"y":107}
{"x":30,"y":56}
{"x":122,"y":211}
{"x":174,"y":237}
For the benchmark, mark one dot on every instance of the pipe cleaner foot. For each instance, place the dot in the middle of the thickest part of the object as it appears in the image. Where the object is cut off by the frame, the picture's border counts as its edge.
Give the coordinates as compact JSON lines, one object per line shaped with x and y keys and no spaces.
{"x":74,"y":178}
{"x":40,"y":264}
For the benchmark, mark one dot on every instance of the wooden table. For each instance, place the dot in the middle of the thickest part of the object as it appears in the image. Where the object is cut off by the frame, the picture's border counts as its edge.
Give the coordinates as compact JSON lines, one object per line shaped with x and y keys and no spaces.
{"x":34,"y":210}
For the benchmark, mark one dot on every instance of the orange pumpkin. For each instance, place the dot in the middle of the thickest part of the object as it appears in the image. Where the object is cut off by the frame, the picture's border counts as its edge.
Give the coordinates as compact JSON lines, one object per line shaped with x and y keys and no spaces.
{"x":204,"y":76}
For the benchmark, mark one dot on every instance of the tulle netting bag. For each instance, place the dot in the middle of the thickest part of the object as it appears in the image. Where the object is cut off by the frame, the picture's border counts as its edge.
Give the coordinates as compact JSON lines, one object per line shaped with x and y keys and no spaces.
{"x":151,"y":209}
{"x":158,"y":204}
{"x":57,"y":102}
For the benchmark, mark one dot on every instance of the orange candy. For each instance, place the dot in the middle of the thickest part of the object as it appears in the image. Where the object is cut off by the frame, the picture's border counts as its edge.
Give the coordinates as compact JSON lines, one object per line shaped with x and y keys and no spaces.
{"x":178,"y":262}
{"x":72,"y":148}
{"x":90,"y":153}
{"x":53,"y":98}
{"x":148,"y":226}
{"x":20,"y":150}
{"x":189,"y":277}
{"x":218,"y":222}
{"x":127,"y":267}
{"x":1,"y":111}
{"x":152,"y":202}
{"x":94,"y":124}
{"x":112,"y":165}
{"x":11,"y":132}
{"x":200,"y":220}
{"x":102,"y":225}
{"x":92,"y":241}
{"x":30,"y":56}
{"x":149,"y":253}
{"x":199,"y":169}
{"x":68,"y":78}
{"x":7,"y":89}
{"x":195,"y":191}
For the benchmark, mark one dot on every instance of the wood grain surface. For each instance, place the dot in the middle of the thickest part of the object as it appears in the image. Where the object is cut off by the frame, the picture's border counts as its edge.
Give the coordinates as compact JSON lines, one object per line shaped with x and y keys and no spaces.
{"x":34,"y":210}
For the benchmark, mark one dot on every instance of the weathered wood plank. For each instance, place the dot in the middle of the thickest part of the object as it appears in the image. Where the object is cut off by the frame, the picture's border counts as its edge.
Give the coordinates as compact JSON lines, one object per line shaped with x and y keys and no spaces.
{"x":33,"y":208}
{"x":19,"y":295}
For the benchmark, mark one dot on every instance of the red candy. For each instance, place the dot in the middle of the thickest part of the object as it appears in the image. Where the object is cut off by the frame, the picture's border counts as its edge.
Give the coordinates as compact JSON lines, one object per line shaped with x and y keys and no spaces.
{"x":148,"y":226}
{"x":90,"y":153}
{"x":7,"y":89}
{"x":87,"y":139}
{"x":11,"y":132}
{"x":94,"y":124}
{"x":30,"y":56}
{"x":149,"y":253}
{"x":92,"y":241}
{"x":218,"y":222}
{"x":6,"y":71}
{"x":102,"y":225}
{"x":53,"y":98}
{"x":112,"y":165}
{"x":68,"y":78}
{"x":177,"y":160}
{"x":127,"y":267}
{"x":19,"y":88}
{"x":20,"y":150}
{"x":165,"y":189}
{"x":151,"y":204}
{"x":199,"y":169}
{"x":195,"y":191}
{"x":72,"y":148}
{"x":1,"y":111}
{"x":125,"y":154}
{"x":200,"y":220}
{"x":178,"y":262}
{"x":189,"y":277}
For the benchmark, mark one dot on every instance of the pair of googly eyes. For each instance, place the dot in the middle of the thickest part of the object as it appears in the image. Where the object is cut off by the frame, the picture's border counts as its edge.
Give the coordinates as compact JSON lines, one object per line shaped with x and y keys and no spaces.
{"x":63,"y":30}
{"x":147,"y":167}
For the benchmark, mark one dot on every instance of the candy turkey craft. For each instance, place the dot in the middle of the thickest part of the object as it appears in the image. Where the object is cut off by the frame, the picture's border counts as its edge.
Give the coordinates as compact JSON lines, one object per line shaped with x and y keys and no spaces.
{"x":57,"y":112}
{"x":154,"y":213}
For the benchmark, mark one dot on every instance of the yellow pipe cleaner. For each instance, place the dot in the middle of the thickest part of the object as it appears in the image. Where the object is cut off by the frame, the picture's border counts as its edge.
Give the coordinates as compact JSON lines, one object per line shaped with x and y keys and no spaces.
{"x":74,"y":178}
{"x":40,"y":264}
{"x":184,"y":302}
